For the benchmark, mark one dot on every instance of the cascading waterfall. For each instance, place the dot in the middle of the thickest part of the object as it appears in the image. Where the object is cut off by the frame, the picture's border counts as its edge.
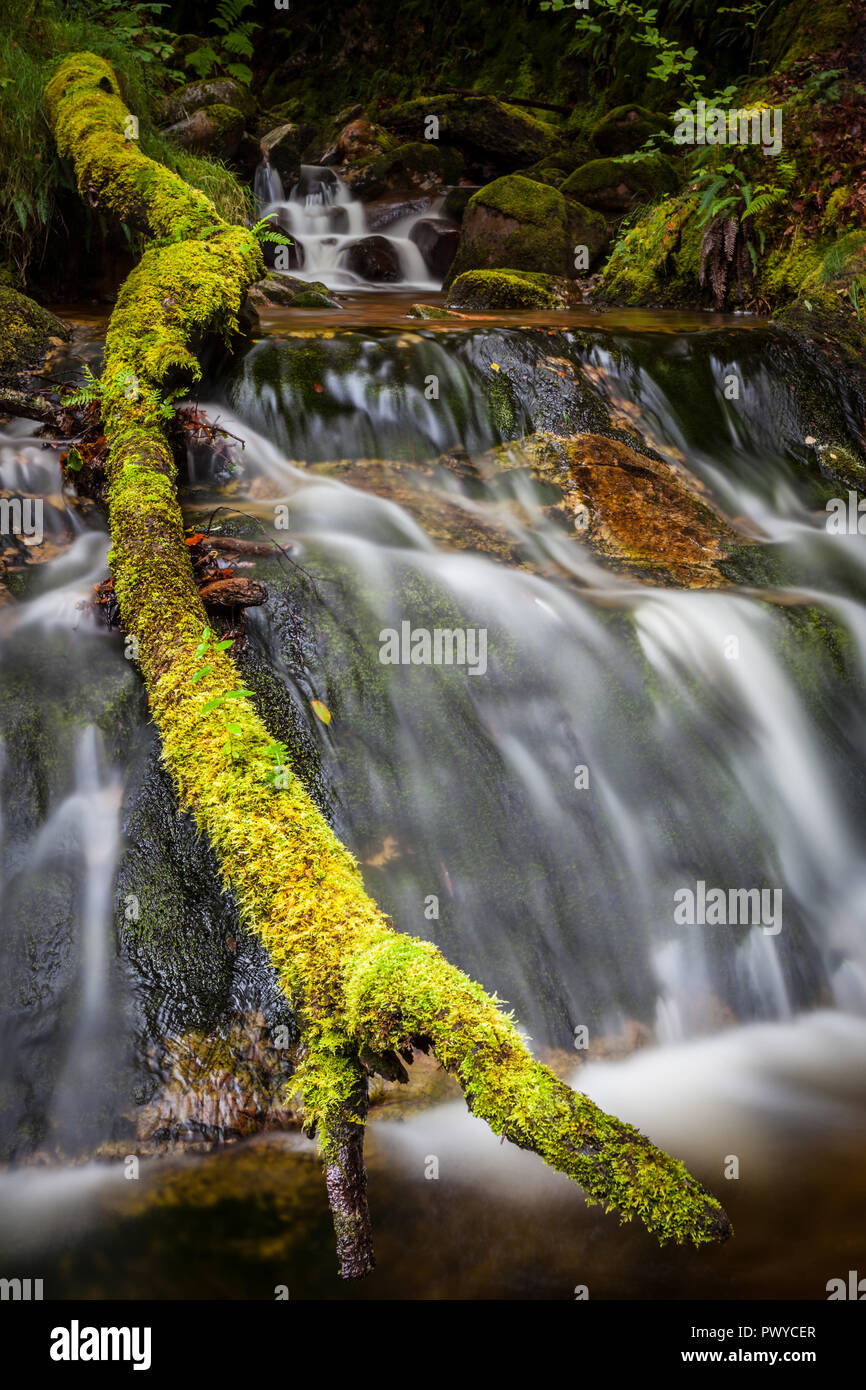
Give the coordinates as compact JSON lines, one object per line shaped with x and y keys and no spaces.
{"x":462,"y":789}
{"x":325,"y":221}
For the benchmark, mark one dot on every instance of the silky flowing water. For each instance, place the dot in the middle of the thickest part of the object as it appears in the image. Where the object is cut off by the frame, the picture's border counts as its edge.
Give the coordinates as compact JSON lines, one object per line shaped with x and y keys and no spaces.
{"x":535,"y":818}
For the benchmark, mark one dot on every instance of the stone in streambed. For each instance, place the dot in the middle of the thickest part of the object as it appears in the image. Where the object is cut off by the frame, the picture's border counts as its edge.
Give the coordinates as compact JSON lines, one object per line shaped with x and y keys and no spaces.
{"x":26,"y":332}
{"x":510,"y":289}
{"x":374,"y":259}
{"x":524,"y":225}
{"x":436,"y":239}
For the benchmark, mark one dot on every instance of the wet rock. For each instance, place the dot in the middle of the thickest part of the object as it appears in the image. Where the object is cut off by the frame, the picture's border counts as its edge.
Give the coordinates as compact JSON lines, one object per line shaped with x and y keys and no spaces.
{"x":359,"y":140}
{"x":524,"y":225}
{"x":614,"y":186}
{"x":482,"y":528}
{"x":383,"y":212}
{"x":282,"y":147}
{"x":216,"y":129}
{"x":285,"y":291}
{"x":436,"y":239}
{"x":510,"y":289}
{"x":374,"y":259}
{"x":626,"y":128}
{"x":641,"y":513}
{"x":215,"y":1087}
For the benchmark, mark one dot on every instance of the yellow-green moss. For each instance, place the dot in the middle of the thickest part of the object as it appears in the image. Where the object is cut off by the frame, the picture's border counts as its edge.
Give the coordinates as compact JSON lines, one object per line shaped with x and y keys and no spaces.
{"x":354,"y":982}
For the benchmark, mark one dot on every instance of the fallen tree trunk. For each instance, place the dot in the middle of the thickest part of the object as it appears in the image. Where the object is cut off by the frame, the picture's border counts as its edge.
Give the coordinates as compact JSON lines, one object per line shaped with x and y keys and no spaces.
{"x":362,"y":992}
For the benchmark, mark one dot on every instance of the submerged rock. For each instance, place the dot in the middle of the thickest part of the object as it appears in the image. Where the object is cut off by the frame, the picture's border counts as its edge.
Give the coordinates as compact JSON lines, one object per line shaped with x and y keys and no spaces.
{"x":638,"y":511}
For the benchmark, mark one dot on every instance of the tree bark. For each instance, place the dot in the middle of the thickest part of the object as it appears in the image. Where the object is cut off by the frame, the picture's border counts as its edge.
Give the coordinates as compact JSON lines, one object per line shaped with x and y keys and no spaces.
{"x":356,"y":985}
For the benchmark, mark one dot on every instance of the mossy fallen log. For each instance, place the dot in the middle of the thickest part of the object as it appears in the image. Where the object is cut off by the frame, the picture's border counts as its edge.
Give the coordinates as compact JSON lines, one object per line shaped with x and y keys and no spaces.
{"x":362,"y":991}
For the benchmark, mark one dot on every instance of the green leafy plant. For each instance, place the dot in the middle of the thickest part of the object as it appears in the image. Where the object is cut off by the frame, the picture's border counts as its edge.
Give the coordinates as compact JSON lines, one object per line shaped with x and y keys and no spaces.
{"x":87,"y":394}
{"x":728,"y":210}
{"x":264,"y":230}
{"x":235,"y":42}
{"x":208,"y":646}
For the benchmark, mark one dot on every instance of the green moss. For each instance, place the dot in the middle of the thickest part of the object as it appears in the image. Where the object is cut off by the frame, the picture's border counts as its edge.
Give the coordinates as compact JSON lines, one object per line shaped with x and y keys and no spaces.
{"x":25,"y":328}
{"x":657,"y":261}
{"x":514,"y":222}
{"x":598,"y":182}
{"x":504,"y":289}
{"x":626,"y":128}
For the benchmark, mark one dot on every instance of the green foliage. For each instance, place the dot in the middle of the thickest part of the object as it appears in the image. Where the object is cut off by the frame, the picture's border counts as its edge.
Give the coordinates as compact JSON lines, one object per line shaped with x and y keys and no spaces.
{"x":264,"y":230}
{"x":87,"y":394}
{"x":725,"y":189}
{"x":223,"y":54}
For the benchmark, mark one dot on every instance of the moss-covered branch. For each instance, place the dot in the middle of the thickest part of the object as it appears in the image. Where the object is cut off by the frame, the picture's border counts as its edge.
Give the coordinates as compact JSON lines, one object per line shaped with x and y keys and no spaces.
{"x":360,"y":989}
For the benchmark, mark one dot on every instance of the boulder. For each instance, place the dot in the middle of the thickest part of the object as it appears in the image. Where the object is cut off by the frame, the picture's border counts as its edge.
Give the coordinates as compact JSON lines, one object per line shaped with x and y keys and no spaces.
{"x":359,"y":140}
{"x":615,"y":186}
{"x":26,"y":332}
{"x":374,"y":259}
{"x":436,"y":239}
{"x":417,"y":166}
{"x":508,"y":289}
{"x":487,"y":131}
{"x":286,"y":291}
{"x":282,"y":146}
{"x":525,"y":225}
{"x":216,"y":129}
{"x":626,"y":128}
{"x":216,"y":91}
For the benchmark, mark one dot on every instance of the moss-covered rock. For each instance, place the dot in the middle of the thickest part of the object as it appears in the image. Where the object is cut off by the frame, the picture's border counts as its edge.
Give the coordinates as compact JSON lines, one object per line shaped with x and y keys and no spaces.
{"x":218,"y":129}
{"x":286,"y":291}
{"x":615,"y":185}
{"x":26,"y":330}
{"x":486,"y":130}
{"x":506,"y":289}
{"x":525,"y":225}
{"x":626,"y":128}
{"x":417,"y":165}
{"x":657,"y":262}
{"x":192,"y":96}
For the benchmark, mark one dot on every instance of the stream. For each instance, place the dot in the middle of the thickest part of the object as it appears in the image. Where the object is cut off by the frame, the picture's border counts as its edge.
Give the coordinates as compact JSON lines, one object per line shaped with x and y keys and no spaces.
{"x":611,"y":746}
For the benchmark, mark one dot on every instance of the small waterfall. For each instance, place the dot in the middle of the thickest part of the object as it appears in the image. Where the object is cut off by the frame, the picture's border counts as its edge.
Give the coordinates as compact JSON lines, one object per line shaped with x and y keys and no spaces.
{"x":267,"y":184}
{"x":326,"y":222}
